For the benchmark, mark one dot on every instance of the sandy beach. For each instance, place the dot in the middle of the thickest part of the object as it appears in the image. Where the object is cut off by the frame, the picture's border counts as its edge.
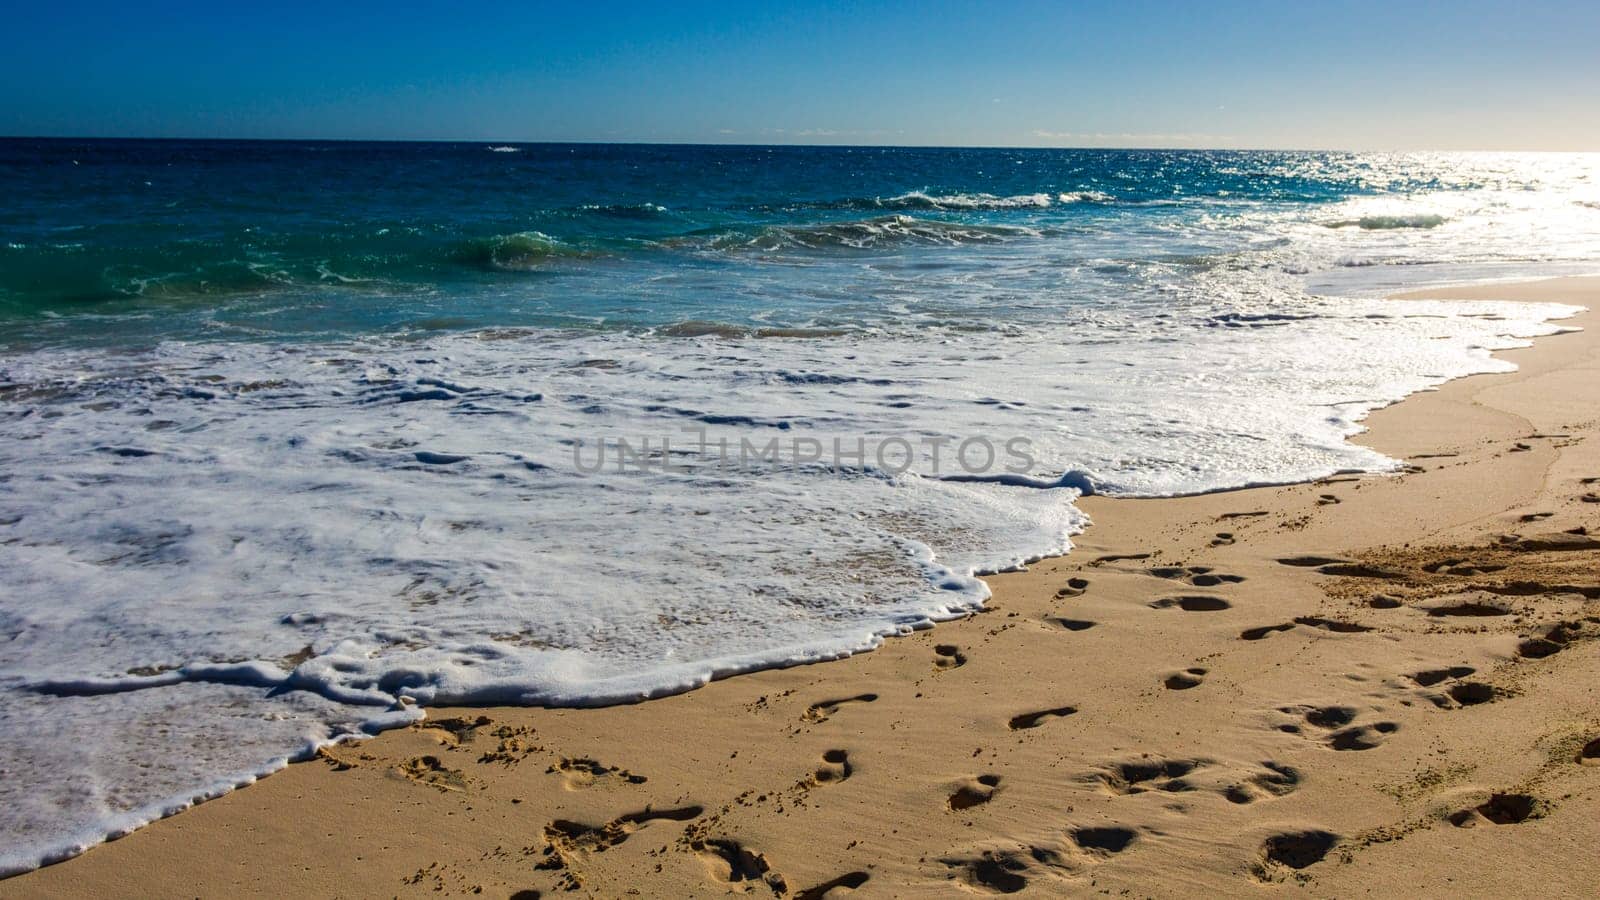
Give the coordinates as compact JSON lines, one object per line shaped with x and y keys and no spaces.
{"x":1381,"y":686}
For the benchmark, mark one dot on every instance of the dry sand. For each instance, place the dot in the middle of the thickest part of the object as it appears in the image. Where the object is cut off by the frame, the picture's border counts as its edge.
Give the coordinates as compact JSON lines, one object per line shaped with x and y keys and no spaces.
{"x":1384,"y":686}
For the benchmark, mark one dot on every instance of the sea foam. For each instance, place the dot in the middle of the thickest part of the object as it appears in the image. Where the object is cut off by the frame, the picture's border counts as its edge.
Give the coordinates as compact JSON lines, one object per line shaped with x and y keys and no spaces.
{"x":291,"y":544}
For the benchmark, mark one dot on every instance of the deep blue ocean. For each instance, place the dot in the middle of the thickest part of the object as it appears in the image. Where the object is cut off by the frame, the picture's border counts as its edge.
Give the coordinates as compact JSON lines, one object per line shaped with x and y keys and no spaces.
{"x":144,"y":240}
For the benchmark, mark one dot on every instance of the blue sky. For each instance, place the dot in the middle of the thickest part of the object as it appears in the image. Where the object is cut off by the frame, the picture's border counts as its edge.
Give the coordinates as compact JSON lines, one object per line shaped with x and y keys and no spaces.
{"x":1362,"y":74}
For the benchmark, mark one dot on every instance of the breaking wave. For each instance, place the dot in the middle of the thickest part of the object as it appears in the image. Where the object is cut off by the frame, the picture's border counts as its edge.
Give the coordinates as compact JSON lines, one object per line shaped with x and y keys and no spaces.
{"x":969,"y":201}
{"x":879,"y":231}
{"x":1385,"y":223}
{"x":520,"y":251}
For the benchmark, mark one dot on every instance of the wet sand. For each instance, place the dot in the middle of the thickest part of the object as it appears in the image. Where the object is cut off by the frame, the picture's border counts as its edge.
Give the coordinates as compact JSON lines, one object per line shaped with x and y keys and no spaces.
{"x":1384,"y":686}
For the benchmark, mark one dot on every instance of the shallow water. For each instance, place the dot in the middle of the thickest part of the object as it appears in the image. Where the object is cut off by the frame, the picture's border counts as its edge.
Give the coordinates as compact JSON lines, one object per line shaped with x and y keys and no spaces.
{"x":293,"y":432}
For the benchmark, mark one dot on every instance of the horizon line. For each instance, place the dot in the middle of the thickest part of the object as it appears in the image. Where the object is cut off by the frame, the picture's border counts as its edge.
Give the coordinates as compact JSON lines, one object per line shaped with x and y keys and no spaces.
{"x":736,"y":144}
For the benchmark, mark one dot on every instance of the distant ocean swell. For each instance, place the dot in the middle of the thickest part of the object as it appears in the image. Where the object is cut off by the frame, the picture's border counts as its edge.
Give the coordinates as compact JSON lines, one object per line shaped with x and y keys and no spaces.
{"x":71,"y":273}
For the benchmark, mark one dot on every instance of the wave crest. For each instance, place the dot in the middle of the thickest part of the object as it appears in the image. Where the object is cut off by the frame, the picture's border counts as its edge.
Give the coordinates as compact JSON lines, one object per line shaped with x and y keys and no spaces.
{"x":1385,"y":223}
{"x":625,"y":210}
{"x":971,"y":201}
{"x":922,"y":200}
{"x":879,"y":231}
{"x":519,"y":251}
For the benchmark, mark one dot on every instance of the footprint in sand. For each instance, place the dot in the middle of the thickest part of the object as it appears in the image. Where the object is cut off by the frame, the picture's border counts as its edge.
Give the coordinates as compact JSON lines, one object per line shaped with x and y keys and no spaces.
{"x":1006,"y":871}
{"x":335,"y":761}
{"x":1104,"y":840}
{"x":1293,"y":850}
{"x":1538,"y":648}
{"x":564,"y":837}
{"x":431,"y":771}
{"x":1222,"y":539}
{"x":1327,"y":499}
{"x":1534,"y":517}
{"x":948,"y":656}
{"x":1330,"y":565}
{"x":1035,"y":719}
{"x":1192,"y":603}
{"x":1237,"y":783}
{"x":834,"y":768}
{"x":1148,"y":774}
{"x":1458,"y":693}
{"x":1361,"y":737}
{"x":730,"y":862}
{"x":1334,"y":626}
{"x":1183,"y":681}
{"x":1073,"y":588}
{"x":515,"y":743}
{"x":1256,"y":634}
{"x":1275,"y":780}
{"x":1590,"y":754}
{"x":1002,"y":873}
{"x":1383,"y":601}
{"x":836,"y":887}
{"x":581,"y":773}
{"x":1501,"y":809}
{"x":974,"y":792}
{"x":821,"y":711}
{"x":1467,"y":693}
{"x":1556,"y":639}
{"x":1070,"y":624}
{"x":455,"y":729}
{"x":1335,"y":727}
{"x":1199,"y":576}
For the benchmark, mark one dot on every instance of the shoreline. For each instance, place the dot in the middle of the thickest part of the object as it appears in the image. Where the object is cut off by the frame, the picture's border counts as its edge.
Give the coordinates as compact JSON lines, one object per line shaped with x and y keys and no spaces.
{"x":1119,"y":733}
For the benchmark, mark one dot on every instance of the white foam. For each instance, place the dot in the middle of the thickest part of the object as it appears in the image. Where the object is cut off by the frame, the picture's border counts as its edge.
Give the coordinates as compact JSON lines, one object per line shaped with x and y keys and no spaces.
{"x":965,"y":201}
{"x":364,"y":522}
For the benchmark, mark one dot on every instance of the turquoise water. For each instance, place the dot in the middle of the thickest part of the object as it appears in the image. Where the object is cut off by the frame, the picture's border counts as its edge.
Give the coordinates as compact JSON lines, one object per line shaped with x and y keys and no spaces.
{"x":298,"y":439}
{"x":138,"y":241}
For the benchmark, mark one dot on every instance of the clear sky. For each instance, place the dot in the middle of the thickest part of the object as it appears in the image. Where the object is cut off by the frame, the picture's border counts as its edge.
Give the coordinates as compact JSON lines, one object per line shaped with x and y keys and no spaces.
{"x":1360,"y":74}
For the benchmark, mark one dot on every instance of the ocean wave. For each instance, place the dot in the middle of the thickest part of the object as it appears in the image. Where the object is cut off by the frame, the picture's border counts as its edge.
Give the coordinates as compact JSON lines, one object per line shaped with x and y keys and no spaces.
{"x":505,"y":149}
{"x":1385,"y":223}
{"x":518,"y":251}
{"x":1085,"y":197}
{"x":624,"y":210}
{"x":228,"y":278}
{"x":970,"y":201}
{"x":921,"y":200}
{"x":880,"y":231}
